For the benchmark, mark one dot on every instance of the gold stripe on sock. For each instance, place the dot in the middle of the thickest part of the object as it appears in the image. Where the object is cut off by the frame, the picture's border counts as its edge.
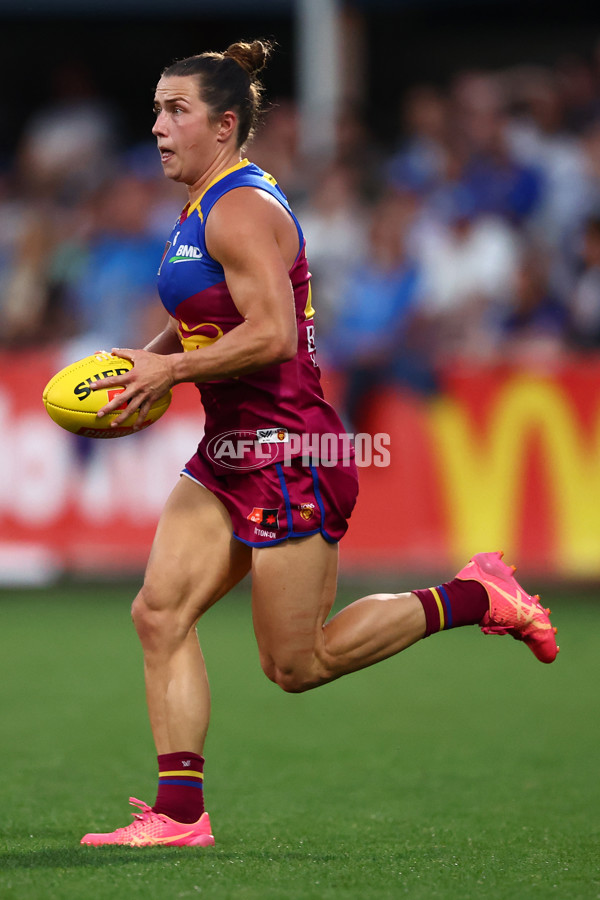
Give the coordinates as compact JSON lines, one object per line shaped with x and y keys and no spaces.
{"x":440,"y":606}
{"x":186,"y":772}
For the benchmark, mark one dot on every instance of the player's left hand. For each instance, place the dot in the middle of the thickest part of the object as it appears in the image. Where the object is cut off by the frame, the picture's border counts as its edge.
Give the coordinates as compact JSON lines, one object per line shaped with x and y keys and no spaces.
{"x":150,"y":378}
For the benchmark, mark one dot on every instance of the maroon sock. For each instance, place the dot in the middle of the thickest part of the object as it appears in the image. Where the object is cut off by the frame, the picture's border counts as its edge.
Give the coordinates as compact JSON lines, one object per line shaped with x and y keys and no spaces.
{"x":180,"y":786}
{"x":453,"y":604}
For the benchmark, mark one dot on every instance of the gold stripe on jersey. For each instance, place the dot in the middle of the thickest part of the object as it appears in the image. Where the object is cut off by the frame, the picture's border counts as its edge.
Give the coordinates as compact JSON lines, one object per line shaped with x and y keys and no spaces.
{"x":309,"y":309}
{"x":196,"y":204}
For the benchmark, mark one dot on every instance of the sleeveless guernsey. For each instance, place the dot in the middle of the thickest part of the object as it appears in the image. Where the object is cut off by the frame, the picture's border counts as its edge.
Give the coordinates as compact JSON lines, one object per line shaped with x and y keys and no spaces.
{"x":285,"y":398}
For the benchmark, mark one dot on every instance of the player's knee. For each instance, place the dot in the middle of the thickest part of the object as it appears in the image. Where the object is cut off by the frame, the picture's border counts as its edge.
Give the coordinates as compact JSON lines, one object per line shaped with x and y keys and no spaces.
{"x":267,"y":664}
{"x":155,"y":624}
{"x":295,"y":677}
{"x":280,"y":674}
{"x":143,"y":617}
{"x":291,"y":681}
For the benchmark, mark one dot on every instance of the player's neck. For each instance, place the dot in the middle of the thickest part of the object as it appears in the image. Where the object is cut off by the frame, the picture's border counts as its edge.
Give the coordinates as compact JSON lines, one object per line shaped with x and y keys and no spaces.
{"x":219,"y":165}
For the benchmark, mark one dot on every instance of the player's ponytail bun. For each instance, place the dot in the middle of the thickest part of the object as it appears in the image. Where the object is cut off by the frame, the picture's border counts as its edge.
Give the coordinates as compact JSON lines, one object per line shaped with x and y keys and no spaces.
{"x":229,"y":80}
{"x":252,"y":57}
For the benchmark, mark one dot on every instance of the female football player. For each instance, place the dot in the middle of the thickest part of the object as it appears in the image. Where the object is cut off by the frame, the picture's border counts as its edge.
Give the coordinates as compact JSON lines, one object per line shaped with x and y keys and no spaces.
{"x":257,"y":496}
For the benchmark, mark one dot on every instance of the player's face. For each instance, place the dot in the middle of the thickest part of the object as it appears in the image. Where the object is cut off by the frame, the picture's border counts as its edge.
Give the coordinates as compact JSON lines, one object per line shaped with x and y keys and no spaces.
{"x":186,"y":138}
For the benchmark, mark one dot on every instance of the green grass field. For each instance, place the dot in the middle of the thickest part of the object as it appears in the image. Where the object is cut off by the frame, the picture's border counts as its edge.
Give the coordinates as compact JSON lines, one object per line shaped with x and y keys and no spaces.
{"x":461,"y":769}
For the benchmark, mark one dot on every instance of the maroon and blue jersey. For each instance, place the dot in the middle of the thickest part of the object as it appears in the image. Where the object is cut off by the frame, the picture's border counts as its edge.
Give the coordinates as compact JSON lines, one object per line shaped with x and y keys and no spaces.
{"x":287,"y":397}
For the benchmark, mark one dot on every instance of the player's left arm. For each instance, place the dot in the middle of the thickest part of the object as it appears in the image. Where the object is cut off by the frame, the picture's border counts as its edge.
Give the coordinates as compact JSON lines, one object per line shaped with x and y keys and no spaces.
{"x":246,"y":233}
{"x":167,"y":341}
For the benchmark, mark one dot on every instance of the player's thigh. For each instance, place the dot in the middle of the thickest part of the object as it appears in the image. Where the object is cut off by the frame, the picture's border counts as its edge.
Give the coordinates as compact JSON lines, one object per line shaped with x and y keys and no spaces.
{"x":293,"y":588}
{"x":194,"y":559}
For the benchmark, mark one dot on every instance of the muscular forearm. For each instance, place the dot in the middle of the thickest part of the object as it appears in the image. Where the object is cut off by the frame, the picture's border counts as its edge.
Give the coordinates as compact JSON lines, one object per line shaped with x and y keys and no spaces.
{"x":242,"y":350}
{"x":158,"y":367}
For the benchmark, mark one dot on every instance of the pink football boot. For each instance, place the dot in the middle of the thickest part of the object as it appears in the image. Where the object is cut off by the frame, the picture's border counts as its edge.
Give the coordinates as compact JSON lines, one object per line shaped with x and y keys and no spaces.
{"x":150,"y":829}
{"x":512,"y":611}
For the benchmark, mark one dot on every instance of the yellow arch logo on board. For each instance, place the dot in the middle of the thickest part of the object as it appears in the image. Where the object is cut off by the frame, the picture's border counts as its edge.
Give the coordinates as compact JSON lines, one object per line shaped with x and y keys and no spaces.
{"x":482,"y":474}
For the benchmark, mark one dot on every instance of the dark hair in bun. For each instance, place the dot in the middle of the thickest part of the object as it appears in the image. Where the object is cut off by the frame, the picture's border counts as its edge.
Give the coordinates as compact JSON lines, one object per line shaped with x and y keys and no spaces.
{"x":229,"y":81}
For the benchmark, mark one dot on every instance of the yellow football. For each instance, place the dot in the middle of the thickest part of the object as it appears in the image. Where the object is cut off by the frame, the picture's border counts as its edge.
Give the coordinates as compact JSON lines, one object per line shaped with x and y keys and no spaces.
{"x":72,"y":404}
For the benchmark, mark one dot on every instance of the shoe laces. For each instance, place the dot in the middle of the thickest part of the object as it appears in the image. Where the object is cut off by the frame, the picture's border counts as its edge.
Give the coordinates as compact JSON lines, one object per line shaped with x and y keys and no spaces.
{"x":145,"y":816}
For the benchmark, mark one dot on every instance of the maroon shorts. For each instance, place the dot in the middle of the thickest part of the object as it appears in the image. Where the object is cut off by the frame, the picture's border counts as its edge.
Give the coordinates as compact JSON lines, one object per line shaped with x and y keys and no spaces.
{"x":277,"y":502}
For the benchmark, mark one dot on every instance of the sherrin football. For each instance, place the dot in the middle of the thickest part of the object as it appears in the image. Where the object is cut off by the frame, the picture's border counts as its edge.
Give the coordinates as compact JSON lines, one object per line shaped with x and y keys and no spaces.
{"x":72,"y":404}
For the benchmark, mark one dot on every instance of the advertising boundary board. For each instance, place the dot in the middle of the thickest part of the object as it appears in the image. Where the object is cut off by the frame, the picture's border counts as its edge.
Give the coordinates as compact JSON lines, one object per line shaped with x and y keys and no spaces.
{"x":503,"y":458}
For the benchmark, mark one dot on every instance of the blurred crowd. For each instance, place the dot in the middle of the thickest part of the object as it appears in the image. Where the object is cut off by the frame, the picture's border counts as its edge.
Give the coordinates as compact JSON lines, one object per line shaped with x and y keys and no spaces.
{"x":476,"y":236}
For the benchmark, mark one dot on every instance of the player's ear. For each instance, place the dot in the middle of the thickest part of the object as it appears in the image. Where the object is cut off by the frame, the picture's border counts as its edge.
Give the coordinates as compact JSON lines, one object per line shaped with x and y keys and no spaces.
{"x":227,"y":125}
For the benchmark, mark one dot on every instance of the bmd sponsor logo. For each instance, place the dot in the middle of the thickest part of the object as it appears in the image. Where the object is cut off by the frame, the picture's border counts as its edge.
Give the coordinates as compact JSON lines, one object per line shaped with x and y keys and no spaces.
{"x":186,"y":253}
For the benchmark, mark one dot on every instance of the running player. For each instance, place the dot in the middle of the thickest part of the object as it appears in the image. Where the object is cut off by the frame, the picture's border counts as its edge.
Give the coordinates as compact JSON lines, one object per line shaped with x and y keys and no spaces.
{"x":255,"y":497}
